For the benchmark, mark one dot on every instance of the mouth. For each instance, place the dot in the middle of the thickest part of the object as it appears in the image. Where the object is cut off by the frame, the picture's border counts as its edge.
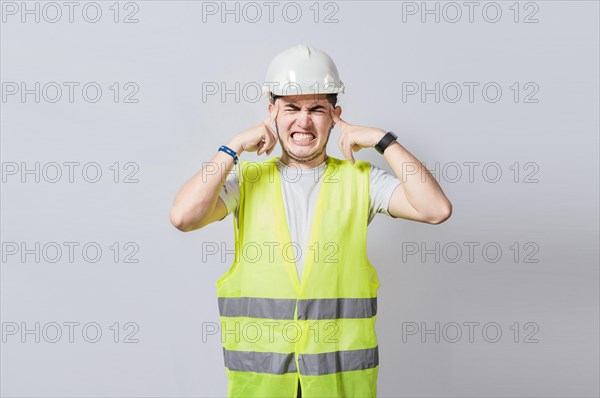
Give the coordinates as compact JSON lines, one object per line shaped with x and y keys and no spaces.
{"x":302,"y":137}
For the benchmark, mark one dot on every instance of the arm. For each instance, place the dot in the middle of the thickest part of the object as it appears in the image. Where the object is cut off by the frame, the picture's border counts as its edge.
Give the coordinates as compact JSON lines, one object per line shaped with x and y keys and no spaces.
{"x":197,"y":203}
{"x":418,"y":197}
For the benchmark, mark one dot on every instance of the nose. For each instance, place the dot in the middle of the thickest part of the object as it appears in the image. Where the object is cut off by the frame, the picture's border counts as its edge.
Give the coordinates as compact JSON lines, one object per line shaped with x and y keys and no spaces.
{"x":304,"y":120}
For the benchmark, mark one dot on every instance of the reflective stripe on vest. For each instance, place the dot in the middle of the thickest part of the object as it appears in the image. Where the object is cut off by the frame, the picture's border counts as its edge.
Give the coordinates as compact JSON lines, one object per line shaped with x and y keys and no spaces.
{"x":338,"y":361}
{"x":257,"y":307}
{"x":310,"y":364}
{"x":260,"y":362}
{"x":278,"y":330}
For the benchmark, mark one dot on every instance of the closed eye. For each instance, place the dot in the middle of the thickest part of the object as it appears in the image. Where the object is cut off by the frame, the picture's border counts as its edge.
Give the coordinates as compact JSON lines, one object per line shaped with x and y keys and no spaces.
{"x":316,"y":109}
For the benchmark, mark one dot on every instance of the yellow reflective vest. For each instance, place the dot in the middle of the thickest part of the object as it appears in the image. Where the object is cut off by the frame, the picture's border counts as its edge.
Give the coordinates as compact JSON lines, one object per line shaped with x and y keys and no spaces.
{"x":278,"y":331}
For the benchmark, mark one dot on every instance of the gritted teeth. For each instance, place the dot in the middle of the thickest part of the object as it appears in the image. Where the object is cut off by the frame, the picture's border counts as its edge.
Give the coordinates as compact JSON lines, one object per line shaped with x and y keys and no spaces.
{"x":303,"y":132}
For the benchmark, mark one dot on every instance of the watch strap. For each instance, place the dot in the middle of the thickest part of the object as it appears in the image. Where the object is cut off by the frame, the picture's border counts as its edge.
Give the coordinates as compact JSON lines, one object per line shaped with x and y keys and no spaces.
{"x":385,"y":142}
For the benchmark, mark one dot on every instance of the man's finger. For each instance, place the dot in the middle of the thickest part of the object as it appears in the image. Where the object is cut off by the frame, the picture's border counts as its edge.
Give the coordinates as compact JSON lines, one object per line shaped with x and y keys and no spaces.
{"x":346,"y":151}
{"x":348,"y":154}
{"x":272,"y":146}
{"x":268,"y":142}
{"x":261,"y":149}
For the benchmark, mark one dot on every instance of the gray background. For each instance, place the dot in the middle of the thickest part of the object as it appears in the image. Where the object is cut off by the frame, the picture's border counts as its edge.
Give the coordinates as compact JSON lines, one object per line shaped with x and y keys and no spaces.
{"x":170,"y":294}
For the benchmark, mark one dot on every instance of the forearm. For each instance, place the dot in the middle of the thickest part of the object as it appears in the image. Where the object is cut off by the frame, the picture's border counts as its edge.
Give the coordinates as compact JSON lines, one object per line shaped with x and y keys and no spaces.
{"x":420,"y":188}
{"x":198,"y":197}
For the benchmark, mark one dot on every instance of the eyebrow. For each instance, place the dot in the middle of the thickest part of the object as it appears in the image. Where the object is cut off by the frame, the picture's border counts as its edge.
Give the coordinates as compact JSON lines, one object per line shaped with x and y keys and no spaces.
{"x":314,"y":108}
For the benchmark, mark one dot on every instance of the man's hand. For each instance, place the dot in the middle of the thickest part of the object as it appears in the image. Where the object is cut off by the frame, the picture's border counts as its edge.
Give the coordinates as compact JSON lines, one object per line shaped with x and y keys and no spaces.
{"x":354,"y":138}
{"x":260,"y":137}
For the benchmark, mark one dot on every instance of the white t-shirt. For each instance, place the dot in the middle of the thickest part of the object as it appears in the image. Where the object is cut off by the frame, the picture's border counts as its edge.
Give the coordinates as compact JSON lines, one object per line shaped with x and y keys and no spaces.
{"x":300,"y":192}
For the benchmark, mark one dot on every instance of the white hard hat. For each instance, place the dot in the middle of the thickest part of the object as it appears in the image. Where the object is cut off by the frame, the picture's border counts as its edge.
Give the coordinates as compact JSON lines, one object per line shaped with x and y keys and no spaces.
{"x":302,"y":70}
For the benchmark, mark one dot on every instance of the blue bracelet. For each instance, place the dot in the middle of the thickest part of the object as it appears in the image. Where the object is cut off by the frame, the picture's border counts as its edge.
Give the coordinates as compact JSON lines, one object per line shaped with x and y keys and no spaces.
{"x":230,"y":151}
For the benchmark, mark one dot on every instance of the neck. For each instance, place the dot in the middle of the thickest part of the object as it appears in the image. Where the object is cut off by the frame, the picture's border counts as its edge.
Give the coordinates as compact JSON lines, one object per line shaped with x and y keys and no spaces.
{"x":301,"y":163}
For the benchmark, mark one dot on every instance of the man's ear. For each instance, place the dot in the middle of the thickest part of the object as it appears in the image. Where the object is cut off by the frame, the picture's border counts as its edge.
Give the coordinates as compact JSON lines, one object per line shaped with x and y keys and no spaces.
{"x":338,"y":111}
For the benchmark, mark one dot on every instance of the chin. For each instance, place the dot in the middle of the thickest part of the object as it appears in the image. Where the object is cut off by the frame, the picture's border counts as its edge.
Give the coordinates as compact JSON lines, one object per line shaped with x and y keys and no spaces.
{"x":306,"y":156}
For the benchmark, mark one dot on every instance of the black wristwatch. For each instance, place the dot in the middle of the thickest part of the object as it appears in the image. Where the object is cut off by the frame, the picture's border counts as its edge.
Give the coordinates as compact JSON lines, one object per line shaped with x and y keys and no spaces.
{"x":385,"y":142}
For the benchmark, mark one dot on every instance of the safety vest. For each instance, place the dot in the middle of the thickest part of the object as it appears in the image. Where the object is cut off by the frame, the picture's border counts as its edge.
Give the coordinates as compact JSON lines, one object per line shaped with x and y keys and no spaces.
{"x":278,"y":331}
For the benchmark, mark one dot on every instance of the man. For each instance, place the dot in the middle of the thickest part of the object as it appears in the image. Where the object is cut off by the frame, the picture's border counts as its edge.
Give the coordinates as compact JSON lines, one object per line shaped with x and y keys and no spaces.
{"x":303,"y":323}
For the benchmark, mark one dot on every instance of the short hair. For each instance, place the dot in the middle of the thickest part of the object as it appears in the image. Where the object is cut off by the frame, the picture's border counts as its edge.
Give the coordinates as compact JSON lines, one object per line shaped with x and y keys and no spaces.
{"x":332,"y":98}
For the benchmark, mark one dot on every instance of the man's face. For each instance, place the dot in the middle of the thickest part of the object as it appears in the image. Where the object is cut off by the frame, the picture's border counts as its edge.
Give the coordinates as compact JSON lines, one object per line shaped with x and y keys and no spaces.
{"x":303,"y":124}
